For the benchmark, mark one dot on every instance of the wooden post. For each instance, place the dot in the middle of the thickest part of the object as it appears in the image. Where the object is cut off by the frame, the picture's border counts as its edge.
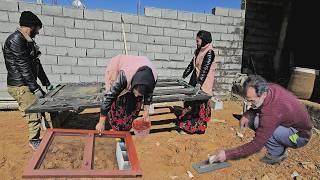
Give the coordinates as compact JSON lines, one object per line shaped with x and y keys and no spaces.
{"x":281,"y":41}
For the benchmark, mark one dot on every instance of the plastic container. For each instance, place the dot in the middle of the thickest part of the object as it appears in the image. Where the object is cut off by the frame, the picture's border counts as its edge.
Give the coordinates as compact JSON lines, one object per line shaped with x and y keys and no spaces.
{"x":141,"y":127}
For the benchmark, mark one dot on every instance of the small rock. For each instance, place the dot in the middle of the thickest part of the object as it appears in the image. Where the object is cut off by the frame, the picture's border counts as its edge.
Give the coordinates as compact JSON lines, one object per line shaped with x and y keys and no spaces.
{"x":295,"y":175}
{"x":232,"y":129}
{"x":157,"y":143}
{"x":190,"y":175}
{"x":173,"y":177}
{"x":308,"y":165}
{"x":265,"y":177}
{"x":239,"y":134}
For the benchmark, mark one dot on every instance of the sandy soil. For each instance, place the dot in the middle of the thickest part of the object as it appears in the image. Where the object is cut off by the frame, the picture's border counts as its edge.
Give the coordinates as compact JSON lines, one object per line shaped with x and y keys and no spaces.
{"x":164,"y":154}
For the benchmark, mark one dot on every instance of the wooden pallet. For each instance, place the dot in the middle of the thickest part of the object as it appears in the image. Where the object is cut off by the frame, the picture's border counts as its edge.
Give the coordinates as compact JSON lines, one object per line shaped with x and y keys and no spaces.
{"x":79,"y":96}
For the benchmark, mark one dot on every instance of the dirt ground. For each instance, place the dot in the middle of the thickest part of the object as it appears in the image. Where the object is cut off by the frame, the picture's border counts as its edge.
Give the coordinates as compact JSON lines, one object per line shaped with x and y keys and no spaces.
{"x":164,"y":154}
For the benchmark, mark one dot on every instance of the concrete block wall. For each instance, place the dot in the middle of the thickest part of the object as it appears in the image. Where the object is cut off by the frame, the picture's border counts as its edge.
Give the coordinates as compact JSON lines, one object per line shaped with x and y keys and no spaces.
{"x":78,"y":43}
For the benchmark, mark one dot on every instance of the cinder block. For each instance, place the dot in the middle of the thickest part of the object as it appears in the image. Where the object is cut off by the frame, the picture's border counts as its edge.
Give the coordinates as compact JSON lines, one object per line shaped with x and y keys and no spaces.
{"x":54,"y":78}
{"x":8,"y":6}
{"x":54,"y":31}
{"x":193,"y":26}
{"x":213,"y":19}
{"x":93,"y":14}
{"x":92,"y":34}
{"x":80,"y":70}
{"x":84,"y":24}
{"x":101,"y":78}
{"x":73,"y":12}
{"x":70,"y":78}
{"x":171,"y":32}
{"x":220,"y":29}
{"x":85,"y":43}
{"x":178,"y":24}
{"x":84,"y":78}
{"x":185,"y":34}
{"x":235,"y":12}
{"x":64,"y":22}
{"x":170,"y":14}
{"x":155,"y":31}
{"x":61,"y":69}
{"x":35,"y":8}
{"x":65,"y":60}
{"x":153,"y":12}
{"x":52,"y":50}
{"x":227,"y":20}
{"x":45,"y":40}
{"x":231,"y":29}
{"x":178,"y":41}
{"x":147,"y":21}
{"x":13,"y":17}
{"x":78,"y":52}
{"x":130,"y":19}
{"x":177,"y":57}
{"x":238,"y":37}
{"x":8,"y":27}
{"x":101,"y":25}
{"x":95,"y":52}
{"x":220,"y":11}
{"x":120,"y":45}
{"x":97,"y":70}
{"x":154,"y":48}
{"x":139,"y":29}
{"x":227,"y":37}
{"x":75,"y":33}
{"x":184,"y":50}
{"x":238,"y":21}
{"x":162,"y":40}
{"x":118,"y":27}
{"x":207,"y":27}
{"x":102,"y":61}
{"x":161,"y":56}
{"x":138,"y":47}
{"x":87,"y":61}
{"x":197,"y":17}
{"x":112,"y":16}
{"x":216,"y":36}
{"x":185,"y":16}
{"x":4,"y":16}
{"x":132,"y":37}
{"x":47,"y":68}
{"x":46,"y":20}
{"x":103,"y":44}
{"x":146,"y":39}
{"x":163,"y":22}
{"x":170,"y":49}
{"x":66,"y":42}
{"x":3,"y":37}
{"x":48,"y":59}
{"x":191,"y":43}
{"x":111,"y":53}
{"x":52,"y":10}
{"x":116,"y":36}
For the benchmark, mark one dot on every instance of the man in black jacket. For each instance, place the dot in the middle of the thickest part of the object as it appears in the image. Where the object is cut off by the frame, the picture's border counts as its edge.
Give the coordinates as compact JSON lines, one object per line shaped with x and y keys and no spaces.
{"x":21,"y":56}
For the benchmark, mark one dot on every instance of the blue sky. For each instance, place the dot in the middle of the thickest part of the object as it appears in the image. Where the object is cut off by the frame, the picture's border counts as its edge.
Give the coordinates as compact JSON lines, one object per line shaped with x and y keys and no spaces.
{"x":130,"y":6}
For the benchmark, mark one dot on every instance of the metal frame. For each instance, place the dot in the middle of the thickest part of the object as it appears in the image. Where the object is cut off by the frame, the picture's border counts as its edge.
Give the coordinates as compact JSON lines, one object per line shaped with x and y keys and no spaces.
{"x":86,"y":171}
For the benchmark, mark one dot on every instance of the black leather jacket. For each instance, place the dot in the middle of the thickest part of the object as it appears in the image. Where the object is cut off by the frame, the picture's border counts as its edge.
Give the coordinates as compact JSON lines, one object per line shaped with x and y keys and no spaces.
{"x":22,"y":62}
{"x":116,"y":88}
{"x":205,"y":67}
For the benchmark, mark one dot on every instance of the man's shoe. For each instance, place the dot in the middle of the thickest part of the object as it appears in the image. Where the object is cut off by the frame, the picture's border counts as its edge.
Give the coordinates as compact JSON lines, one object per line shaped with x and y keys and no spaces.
{"x":34,"y":144}
{"x":270,"y":159}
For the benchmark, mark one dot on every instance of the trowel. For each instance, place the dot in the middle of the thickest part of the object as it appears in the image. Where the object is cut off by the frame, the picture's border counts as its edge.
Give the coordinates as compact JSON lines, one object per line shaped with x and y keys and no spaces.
{"x":205,"y":166}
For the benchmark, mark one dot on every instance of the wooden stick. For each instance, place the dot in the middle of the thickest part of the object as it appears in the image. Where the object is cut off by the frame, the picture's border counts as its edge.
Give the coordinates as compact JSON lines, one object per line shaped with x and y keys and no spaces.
{"x":124,"y":36}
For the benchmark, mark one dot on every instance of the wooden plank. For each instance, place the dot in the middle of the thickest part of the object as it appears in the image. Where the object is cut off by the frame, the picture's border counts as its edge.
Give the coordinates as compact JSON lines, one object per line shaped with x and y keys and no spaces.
{"x":88,"y":152}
